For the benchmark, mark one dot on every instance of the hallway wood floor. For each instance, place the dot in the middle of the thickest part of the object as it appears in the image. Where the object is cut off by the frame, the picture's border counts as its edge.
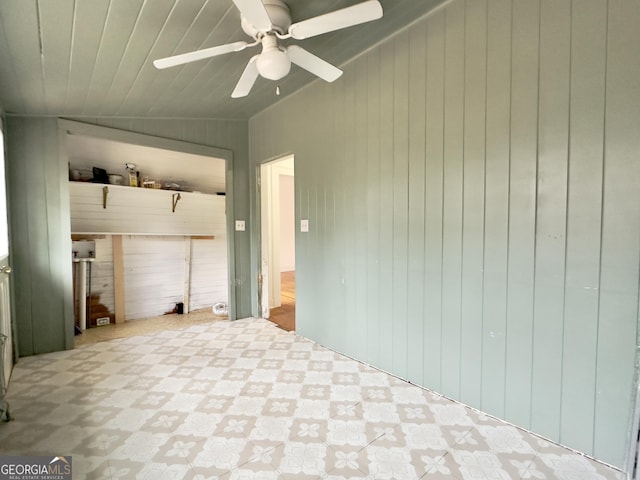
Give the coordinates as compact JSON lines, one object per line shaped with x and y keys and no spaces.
{"x":285,"y":315}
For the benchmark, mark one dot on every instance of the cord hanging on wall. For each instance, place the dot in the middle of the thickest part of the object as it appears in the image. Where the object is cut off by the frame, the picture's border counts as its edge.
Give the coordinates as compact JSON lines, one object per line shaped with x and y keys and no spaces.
{"x":175,"y":198}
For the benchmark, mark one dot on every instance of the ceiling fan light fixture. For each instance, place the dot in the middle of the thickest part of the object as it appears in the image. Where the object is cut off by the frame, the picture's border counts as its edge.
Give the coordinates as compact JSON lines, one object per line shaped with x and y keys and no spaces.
{"x":273,"y":63}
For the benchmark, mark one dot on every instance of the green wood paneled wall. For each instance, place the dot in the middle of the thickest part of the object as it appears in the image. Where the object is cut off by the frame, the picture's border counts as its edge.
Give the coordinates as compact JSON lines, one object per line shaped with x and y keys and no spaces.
{"x":39,"y":229}
{"x":472,"y":186}
{"x":39,"y":218}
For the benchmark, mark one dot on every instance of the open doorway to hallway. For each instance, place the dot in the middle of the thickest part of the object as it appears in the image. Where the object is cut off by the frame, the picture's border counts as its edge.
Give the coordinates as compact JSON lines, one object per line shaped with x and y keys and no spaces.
{"x":277,"y":295}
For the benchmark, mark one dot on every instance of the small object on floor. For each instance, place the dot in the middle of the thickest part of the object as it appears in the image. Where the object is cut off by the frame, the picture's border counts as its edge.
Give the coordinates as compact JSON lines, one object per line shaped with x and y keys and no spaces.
{"x":77,"y":330}
{"x":220,"y":309}
{"x":4,"y":411}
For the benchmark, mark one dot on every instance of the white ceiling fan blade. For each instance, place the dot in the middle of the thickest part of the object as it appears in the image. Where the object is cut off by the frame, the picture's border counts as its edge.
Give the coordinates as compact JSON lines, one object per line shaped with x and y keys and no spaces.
{"x":255,"y":13}
{"x":199,"y":55}
{"x":247,"y":79}
{"x":346,"y":17}
{"x":313,"y":64}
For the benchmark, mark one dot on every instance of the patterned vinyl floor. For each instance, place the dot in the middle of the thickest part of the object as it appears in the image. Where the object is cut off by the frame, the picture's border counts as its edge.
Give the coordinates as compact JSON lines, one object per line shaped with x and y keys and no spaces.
{"x":247,"y":400}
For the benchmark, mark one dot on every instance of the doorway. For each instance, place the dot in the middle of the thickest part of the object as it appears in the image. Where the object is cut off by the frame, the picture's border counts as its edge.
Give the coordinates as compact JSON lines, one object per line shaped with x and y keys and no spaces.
{"x":193,"y":245}
{"x":277,"y":292}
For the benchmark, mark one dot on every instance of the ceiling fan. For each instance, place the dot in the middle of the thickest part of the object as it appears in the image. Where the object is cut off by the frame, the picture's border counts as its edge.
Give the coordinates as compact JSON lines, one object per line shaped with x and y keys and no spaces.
{"x":266,"y":21}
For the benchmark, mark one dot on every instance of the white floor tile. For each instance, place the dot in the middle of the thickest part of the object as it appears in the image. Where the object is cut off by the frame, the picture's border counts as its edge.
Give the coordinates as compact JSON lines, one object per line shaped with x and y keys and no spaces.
{"x":246,"y":400}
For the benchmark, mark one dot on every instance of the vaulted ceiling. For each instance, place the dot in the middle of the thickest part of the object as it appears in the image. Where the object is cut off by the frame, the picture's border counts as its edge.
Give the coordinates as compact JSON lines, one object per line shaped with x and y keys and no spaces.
{"x":94,"y":57}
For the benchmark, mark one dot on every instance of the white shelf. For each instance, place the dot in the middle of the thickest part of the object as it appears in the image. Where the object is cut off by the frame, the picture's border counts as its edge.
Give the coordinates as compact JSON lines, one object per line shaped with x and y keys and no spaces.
{"x":144,"y":211}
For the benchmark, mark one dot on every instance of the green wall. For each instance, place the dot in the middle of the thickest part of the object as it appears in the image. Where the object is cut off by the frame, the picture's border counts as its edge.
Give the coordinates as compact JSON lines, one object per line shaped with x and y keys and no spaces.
{"x":37,"y":176}
{"x":472,"y":186}
{"x":39,"y":230}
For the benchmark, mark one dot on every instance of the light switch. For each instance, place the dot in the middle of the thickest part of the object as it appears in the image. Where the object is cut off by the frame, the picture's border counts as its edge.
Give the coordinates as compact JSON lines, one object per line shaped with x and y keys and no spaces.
{"x":240,"y":226}
{"x":304,"y":226}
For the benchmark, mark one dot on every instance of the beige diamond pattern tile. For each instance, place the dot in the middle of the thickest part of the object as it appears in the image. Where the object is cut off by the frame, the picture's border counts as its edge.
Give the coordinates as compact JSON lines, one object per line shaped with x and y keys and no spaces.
{"x":392,"y":463}
{"x":246,"y":400}
{"x":301,"y":458}
{"x":271,"y":429}
{"x":347,"y":462}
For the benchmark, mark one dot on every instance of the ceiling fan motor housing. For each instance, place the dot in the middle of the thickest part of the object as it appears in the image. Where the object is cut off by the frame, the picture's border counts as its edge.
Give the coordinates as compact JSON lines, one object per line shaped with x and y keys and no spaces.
{"x":279,"y":14}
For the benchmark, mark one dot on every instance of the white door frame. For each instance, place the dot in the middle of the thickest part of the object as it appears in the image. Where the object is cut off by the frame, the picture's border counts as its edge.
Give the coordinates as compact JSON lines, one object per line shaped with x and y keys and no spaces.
{"x":6,"y":313}
{"x":269,"y":192}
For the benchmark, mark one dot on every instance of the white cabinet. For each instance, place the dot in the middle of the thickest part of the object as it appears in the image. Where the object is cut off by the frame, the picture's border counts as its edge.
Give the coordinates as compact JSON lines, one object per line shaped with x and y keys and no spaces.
{"x":121,"y":210}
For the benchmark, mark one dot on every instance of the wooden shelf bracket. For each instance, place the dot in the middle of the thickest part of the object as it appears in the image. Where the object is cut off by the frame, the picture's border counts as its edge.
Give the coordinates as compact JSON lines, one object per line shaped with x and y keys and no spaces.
{"x":175,"y":197}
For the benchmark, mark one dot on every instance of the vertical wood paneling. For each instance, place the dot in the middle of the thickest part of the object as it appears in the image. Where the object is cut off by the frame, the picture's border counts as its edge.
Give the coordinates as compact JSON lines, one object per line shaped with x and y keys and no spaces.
{"x":491,"y":194}
{"x":385,"y":302}
{"x":618,"y":309}
{"x":237,"y":140}
{"x":339,"y":200}
{"x":58,"y":225}
{"x":305,"y":242}
{"x":551,"y":209}
{"x":584,"y":217}
{"x":373,"y":206}
{"x":416,"y":203}
{"x":434,"y":197}
{"x":325,"y":210}
{"x":17,"y":184}
{"x":42,"y":279}
{"x":317,"y":213}
{"x":44,"y":331}
{"x":522,"y":205}
{"x":400,"y":202}
{"x":496,"y":219}
{"x":473,"y":202}
{"x":357,"y":325}
{"x":452,"y":197}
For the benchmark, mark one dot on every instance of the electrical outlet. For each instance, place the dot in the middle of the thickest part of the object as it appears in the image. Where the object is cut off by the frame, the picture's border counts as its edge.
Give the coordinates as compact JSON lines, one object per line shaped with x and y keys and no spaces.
{"x":103,"y":321}
{"x":240,"y":227}
{"x":304,"y":226}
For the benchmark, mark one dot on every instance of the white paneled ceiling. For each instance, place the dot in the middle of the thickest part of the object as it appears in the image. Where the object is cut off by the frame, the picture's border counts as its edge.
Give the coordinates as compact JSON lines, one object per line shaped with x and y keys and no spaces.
{"x":94,"y":57}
